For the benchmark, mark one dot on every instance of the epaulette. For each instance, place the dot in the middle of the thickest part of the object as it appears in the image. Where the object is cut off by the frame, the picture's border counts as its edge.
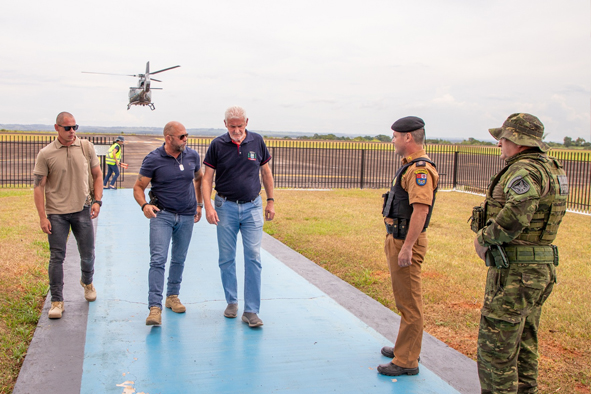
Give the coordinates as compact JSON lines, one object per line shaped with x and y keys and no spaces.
{"x":421,"y":164}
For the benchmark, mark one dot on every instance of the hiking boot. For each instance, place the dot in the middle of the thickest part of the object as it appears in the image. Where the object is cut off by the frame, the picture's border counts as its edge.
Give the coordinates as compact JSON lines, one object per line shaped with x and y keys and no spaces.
{"x":173,"y":302}
{"x":89,"y":291}
{"x":252,"y":319}
{"x":389,"y":352}
{"x":155,"y":317}
{"x":231,"y":311}
{"x":394,"y":370}
{"x":57,"y":308}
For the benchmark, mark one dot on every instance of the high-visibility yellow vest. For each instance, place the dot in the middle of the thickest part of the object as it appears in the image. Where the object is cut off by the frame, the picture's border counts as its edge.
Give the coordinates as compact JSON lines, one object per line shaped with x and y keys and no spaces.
{"x":109,"y":159}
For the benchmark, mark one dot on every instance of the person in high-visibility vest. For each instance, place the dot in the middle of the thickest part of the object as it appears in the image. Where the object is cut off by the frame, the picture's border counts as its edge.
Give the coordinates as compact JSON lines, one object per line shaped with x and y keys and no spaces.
{"x":113,"y":160}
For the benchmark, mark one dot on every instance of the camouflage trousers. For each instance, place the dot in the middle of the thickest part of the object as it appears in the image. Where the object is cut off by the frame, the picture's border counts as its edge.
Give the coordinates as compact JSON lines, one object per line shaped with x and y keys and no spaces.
{"x":508,"y":334}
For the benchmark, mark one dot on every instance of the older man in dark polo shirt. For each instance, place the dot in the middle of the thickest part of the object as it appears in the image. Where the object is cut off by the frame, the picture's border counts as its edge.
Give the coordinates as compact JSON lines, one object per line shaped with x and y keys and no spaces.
{"x":236,"y":158}
{"x":175,"y":173}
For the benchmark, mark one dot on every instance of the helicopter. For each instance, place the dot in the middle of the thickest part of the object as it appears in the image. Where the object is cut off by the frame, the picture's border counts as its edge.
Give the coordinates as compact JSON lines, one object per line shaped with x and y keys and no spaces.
{"x":142,"y":93}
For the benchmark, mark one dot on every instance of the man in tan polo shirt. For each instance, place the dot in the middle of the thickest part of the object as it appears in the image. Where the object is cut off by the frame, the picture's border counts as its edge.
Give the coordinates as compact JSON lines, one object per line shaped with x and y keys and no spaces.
{"x":407,"y":211}
{"x":62,"y":198}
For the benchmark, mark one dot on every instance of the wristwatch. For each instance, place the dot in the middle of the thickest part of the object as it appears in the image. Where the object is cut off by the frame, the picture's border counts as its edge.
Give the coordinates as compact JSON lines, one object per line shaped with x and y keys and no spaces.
{"x":200,"y":204}
{"x":99,"y":202}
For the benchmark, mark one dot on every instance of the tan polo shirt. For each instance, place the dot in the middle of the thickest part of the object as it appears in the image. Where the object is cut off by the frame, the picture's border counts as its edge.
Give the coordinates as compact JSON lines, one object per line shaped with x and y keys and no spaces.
{"x":66,"y":169}
{"x":418,"y":180}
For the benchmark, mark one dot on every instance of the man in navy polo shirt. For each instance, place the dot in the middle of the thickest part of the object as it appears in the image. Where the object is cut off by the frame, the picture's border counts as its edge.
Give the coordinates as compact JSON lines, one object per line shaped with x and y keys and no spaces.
{"x":175,"y":173}
{"x":236,"y":158}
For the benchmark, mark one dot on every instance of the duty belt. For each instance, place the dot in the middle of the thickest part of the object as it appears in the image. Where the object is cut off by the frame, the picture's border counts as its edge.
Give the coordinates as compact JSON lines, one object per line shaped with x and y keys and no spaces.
{"x":526,"y":254}
{"x":502,"y":256}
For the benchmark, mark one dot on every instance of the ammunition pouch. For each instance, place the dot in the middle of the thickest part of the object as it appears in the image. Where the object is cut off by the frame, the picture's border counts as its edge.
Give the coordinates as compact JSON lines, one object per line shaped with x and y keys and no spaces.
{"x":478,"y":218}
{"x":501,"y":256}
{"x":398,"y":229}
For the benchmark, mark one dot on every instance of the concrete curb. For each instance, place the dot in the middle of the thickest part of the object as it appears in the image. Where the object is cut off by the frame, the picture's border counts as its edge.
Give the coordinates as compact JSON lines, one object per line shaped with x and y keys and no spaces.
{"x":451,"y":366}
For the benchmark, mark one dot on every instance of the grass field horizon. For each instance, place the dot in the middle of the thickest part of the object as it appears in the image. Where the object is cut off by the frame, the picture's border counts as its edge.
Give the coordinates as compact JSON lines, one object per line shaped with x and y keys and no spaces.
{"x":342,"y":231}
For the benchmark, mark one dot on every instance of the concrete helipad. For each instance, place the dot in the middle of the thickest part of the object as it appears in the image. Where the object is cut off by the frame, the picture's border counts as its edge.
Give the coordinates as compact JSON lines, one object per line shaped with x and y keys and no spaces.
{"x":320,"y":334}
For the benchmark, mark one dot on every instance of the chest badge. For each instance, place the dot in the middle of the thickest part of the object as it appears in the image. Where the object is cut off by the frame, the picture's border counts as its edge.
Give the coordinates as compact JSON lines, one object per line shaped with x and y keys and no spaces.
{"x":252,"y":155}
{"x":421,"y":177}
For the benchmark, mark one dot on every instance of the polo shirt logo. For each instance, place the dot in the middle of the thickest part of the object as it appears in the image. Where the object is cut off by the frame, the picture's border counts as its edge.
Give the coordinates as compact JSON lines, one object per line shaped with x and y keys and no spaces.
{"x":252,"y":155}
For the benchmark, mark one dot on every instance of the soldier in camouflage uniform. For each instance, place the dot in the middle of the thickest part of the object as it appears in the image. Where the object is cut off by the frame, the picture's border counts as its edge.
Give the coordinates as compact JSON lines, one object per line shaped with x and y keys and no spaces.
{"x":515,"y":226}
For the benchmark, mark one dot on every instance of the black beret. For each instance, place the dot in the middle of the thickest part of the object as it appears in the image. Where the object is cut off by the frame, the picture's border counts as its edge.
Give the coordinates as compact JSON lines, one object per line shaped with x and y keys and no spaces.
{"x":408,"y":124}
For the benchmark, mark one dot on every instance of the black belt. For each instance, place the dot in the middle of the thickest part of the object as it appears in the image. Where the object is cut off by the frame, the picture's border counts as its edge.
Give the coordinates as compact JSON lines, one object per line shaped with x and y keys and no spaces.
{"x":236,"y":201}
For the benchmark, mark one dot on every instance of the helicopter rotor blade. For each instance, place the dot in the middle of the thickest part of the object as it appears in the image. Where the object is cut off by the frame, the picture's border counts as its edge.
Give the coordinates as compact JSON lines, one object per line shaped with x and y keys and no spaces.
{"x":154,"y":79}
{"x":127,"y":75}
{"x":165,"y":69}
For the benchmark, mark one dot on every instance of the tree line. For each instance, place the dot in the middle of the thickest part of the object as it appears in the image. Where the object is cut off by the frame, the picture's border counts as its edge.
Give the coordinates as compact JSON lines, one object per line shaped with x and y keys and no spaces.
{"x":568,"y":141}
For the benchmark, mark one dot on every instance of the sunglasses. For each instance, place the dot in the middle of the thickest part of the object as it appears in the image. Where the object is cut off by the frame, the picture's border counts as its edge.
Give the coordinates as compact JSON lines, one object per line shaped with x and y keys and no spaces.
{"x":68,"y":128}
{"x":182,"y":136}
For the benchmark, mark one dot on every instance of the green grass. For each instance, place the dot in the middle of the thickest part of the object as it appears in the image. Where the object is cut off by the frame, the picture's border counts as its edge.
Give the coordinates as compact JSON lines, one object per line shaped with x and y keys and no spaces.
{"x":343,"y":231}
{"x":24,"y":253}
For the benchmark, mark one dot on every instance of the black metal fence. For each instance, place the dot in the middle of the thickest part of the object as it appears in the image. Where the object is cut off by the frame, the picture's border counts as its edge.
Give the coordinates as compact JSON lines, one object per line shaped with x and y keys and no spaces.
{"x":18,"y":154}
{"x":328,"y":165}
{"x":321,"y":164}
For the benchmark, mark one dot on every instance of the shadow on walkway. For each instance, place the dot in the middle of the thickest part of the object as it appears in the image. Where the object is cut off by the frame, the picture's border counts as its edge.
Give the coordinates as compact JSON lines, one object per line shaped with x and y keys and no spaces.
{"x":320,"y":334}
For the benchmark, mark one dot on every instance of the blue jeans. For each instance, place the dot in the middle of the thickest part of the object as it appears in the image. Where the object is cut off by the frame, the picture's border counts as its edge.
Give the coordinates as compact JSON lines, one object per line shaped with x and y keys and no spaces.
{"x":248,"y":219}
{"x":113,"y":169}
{"x":83,"y":230}
{"x":164,"y":227}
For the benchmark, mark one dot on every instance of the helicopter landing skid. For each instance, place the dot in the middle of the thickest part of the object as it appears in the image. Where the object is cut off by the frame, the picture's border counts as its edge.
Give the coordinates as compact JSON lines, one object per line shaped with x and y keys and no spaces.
{"x":151,"y":106}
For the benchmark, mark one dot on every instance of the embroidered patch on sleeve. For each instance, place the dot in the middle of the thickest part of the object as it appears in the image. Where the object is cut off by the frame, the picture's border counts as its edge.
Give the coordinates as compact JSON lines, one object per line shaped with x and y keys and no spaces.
{"x":519,"y":185}
{"x":421,"y":177}
{"x":421,"y":163}
{"x":563,"y":182}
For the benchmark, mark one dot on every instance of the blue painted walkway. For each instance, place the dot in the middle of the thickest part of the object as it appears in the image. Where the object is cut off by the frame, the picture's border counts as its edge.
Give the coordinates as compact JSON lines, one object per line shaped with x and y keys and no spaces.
{"x":308,"y":344}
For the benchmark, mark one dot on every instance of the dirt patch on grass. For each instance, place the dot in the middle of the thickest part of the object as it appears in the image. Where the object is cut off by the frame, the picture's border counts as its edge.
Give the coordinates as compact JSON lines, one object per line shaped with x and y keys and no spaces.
{"x":382,"y":275}
{"x":431,"y":274}
{"x":350,"y":245}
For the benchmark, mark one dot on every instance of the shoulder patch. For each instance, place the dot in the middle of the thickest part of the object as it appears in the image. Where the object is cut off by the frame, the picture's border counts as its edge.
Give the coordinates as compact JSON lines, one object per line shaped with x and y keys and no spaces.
{"x":421,"y":163}
{"x":563,"y":182}
{"x":519,"y":185}
{"x":421,"y":177}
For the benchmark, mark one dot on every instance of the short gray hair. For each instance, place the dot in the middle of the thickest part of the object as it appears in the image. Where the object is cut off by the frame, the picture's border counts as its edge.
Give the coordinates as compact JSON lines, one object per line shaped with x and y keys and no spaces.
{"x":418,"y":136}
{"x":60,"y":117}
{"x":235,"y":112}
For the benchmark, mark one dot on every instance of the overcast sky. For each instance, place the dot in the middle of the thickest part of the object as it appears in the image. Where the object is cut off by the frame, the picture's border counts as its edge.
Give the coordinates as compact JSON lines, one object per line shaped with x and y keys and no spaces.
{"x":310,"y":66}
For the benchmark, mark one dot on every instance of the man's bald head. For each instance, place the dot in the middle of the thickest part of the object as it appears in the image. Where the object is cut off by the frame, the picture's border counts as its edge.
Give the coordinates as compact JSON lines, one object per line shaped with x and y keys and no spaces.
{"x":172,"y":127}
{"x":61,"y":116}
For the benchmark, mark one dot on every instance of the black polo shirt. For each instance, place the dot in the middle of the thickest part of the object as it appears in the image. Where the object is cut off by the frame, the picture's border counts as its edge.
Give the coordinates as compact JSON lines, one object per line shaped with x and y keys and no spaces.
{"x":236,"y":166}
{"x":172,"y":186}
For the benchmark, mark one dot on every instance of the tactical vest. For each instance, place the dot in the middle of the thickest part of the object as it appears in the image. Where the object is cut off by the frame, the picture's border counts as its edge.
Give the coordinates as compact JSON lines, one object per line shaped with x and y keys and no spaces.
{"x":109,"y":158}
{"x":552,"y":207}
{"x":396,"y":201}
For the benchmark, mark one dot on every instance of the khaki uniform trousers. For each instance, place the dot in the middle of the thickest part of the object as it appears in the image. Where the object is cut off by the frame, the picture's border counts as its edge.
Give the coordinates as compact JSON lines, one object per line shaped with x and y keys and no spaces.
{"x":406,"y":283}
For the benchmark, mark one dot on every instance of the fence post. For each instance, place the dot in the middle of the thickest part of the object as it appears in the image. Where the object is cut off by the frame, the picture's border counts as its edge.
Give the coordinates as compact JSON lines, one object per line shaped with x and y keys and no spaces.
{"x":272,"y":153}
{"x":455,"y":177}
{"x":362,"y":168}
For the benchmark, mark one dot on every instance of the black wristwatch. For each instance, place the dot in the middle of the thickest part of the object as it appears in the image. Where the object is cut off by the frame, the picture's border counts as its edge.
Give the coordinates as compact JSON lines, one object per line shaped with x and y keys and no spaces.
{"x":99,"y":202}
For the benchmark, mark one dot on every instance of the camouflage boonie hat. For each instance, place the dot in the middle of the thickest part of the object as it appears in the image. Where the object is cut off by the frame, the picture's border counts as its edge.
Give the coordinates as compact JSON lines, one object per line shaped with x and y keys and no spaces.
{"x":522,"y":129}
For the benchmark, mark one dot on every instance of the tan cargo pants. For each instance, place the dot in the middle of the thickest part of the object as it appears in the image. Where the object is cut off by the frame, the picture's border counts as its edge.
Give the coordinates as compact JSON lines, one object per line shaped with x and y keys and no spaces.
{"x":406,"y":283}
